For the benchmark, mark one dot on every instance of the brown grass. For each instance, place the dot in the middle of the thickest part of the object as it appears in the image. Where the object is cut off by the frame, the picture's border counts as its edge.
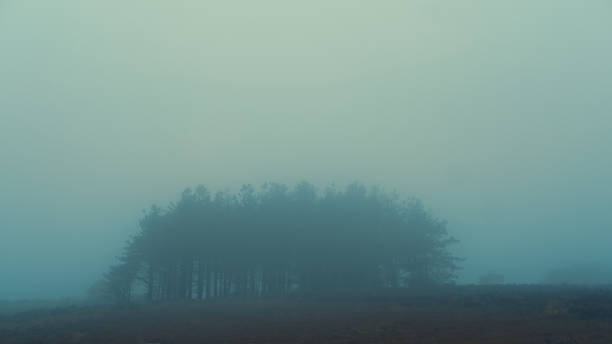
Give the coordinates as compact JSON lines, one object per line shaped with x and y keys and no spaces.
{"x":474,"y":317}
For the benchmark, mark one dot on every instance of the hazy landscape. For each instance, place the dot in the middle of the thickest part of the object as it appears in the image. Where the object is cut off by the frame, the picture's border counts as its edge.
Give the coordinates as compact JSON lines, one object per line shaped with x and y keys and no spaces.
{"x":305,"y":172}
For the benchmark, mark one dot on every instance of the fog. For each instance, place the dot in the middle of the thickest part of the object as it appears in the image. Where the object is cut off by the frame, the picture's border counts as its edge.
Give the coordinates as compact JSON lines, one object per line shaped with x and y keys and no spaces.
{"x":497,"y":115}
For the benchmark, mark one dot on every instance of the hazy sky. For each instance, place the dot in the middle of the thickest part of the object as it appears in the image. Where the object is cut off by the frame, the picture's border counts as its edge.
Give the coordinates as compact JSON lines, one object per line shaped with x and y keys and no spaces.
{"x":497,"y":114}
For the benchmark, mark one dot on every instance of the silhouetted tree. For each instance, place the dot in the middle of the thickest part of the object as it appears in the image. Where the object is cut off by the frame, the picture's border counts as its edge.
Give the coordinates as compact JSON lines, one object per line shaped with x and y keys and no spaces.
{"x":275,"y":240}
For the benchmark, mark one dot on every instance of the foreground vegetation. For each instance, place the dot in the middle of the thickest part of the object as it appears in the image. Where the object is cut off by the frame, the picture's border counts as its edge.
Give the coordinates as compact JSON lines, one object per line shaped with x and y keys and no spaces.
{"x":495,"y":314}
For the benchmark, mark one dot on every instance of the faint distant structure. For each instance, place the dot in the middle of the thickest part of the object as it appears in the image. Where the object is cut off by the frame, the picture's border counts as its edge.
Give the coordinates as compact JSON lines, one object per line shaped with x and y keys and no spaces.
{"x":581,"y":274}
{"x":491,"y":278}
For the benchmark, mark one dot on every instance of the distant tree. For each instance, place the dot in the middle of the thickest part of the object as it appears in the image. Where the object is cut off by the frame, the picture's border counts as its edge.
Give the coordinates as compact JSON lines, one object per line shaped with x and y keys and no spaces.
{"x":581,"y":274}
{"x":491,"y":278}
{"x":277,"y":239}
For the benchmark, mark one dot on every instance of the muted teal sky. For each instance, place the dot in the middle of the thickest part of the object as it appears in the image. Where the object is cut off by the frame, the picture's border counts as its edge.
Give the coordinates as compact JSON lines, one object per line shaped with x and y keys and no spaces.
{"x":497,"y":114}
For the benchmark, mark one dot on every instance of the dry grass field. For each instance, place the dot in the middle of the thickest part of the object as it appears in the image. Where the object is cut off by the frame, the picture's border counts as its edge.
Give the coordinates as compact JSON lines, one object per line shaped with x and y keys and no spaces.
{"x":456,"y":315}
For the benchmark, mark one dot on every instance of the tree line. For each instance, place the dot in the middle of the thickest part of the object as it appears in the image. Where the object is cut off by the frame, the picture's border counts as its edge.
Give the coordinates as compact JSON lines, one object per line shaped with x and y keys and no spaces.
{"x":278,"y":240}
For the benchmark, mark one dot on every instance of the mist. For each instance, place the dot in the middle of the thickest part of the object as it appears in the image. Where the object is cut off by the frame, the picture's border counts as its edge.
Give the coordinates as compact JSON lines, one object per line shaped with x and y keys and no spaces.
{"x":495,"y":115}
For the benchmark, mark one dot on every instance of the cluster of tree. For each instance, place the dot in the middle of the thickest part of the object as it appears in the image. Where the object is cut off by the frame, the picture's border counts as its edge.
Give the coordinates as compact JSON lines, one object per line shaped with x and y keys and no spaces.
{"x":276,"y":240}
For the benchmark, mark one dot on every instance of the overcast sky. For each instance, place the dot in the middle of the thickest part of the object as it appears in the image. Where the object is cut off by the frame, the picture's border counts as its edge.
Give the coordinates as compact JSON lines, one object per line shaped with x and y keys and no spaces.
{"x":497,"y":114}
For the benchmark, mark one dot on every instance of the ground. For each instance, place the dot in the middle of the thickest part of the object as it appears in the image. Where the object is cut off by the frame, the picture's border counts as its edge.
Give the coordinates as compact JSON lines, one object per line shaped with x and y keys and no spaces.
{"x":510,"y":314}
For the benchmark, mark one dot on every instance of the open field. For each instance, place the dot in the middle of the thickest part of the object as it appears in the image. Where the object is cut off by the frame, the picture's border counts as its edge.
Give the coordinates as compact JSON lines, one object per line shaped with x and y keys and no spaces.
{"x":509,"y":314}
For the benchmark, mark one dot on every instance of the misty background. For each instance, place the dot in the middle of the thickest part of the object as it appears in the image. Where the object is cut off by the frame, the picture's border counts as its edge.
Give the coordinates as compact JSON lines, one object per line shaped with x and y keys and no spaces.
{"x":497,"y":115}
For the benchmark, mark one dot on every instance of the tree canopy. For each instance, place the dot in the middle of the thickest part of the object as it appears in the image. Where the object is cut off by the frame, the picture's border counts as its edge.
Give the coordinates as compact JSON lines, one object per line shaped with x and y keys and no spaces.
{"x":277,"y":240}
